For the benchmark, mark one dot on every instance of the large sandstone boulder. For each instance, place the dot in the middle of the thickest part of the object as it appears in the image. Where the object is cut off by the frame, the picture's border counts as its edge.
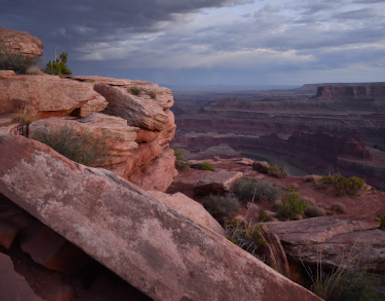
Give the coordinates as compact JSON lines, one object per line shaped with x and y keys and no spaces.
{"x":190,"y":208}
{"x":120,"y":138}
{"x":148,"y":243}
{"x":261,"y":166}
{"x":333,"y":241}
{"x":217,"y":182}
{"x":138,"y":111}
{"x":46,"y":96}
{"x":15,"y":41}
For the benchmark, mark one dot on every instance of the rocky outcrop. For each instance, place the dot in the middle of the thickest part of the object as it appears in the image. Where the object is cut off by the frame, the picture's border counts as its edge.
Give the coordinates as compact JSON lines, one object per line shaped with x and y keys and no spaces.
{"x":46,"y":96}
{"x":334,"y":145}
{"x":333,"y":241}
{"x":15,"y":41}
{"x":261,"y":166}
{"x":374,"y":91}
{"x":217,"y":182}
{"x":155,"y":248}
{"x":109,"y":130}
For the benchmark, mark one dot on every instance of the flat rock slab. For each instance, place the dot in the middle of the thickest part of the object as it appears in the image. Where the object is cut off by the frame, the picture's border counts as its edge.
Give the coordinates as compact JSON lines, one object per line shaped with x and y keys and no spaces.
{"x":334,"y":241}
{"x":150,"y":245}
{"x":14,"y":287}
{"x":217,"y":182}
{"x":319,"y":229}
{"x":45,"y":96}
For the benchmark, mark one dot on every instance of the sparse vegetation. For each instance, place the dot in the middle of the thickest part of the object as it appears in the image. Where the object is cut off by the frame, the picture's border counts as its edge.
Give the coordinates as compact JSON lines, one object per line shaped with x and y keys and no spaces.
{"x":247,"y":190}
{"x":59,"y":66}
{"x":339,"y":208}
{"x":346,"y":285}
{"x":314,"y":211}
{"x":344,"y":185}
{"x":134,"y":90}
{"x":82,"y":148}
{"x":205,"y":165}
{"x":276,"y":171}
{"x":16,"y":61}
{"x":221,"y":205}
{"x":293,"y":206}
{"x":23,"y":116}
{"x":246,"y":235}
{"x":264,"y":217}
{"x":382,"y":218}
{"x":153,"y":94}
{"x":293,"y":187}
{"x":180,"y":162}
{"x":216,"y":159}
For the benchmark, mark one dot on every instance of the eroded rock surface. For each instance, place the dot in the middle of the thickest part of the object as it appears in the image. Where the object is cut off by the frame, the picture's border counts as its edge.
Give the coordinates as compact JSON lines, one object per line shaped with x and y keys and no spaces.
{"x":217,"y":182}
{"x":155,"y":248}
{"x":334,"y":241}
{"x":22,"y":42}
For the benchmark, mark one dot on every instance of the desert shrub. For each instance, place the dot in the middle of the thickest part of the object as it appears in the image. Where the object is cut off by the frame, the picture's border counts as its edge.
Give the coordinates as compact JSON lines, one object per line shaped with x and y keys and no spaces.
{"x":293,"y":206}
{"x":277,"y":205}
{"x":221,"y":205}
{"x":347,"y":285}
{"x":339,"y":208}
{"x":314,"y":211}
{"x":276,"y":171}
{"x":382,"y":218}
{"x":247,"y":189}
{"x":180,"y":162}
{"x":264,"y":217}
{"x":344,"y":185}
{"x":134,"y":90}
{"x":310,"y":202}
{"x":34,"y":70}
{"x":246,"y":235}
{"x":82,"y":148}
{"x":59,"y":66}
{"x":22,"y":116}
{"x":16,"y":61}
{"x":152,"y":94}
{"x":205,"y":165}
{"x":310,"y":178}
{"x":216,"y":159}
{"x":293,"y":187}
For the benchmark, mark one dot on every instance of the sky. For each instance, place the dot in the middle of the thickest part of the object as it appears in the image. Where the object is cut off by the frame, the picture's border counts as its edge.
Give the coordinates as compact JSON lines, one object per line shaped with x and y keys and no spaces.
{"x":210,"y":42}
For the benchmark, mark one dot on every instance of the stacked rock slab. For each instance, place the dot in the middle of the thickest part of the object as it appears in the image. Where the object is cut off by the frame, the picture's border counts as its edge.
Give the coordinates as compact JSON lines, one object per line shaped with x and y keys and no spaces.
{"x":152,"y":164}
{"x":148,"y":243}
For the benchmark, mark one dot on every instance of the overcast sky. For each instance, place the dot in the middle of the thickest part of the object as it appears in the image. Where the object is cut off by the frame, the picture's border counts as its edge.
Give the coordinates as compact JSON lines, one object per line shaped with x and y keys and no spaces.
{"x":209,"y":42}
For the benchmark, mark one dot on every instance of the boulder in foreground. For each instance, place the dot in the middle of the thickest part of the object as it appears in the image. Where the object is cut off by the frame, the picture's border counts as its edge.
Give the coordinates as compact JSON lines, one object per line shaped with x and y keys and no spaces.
{"x":155,"y":248}
{"x":217,"y":182}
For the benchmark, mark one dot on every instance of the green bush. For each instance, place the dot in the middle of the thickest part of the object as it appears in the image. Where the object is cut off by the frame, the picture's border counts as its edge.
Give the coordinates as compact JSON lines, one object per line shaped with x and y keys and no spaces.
{"x":344,"y":185}
{"x":347,"y":285}
{"x":264,"y":217}
{"x":221,"y":205}
{"x":314,"y":211}
{"x":247,"y":190}
{"x":246,"y":235}
{"x":152,"y":94}
{"x":293,"y":206}
{"x":382,"y":218}
{"x":276,"y":171}
{"x":82,"y":148}
{"x":59,"y":66}
{"x":16,"y":61}
{"x":339,"y":208}
{"x":205,"y":166}
{"x":180,"y":161}
{"x":134,"y":90}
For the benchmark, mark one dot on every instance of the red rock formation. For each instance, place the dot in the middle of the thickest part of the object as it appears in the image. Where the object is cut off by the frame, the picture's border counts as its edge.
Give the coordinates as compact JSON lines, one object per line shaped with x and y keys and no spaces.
{"x":16,"y":41}
{"x":375,"y":91}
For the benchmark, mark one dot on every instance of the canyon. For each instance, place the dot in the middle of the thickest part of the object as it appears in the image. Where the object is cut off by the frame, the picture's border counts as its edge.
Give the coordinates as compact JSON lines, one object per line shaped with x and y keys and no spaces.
{"x":321,"y":128}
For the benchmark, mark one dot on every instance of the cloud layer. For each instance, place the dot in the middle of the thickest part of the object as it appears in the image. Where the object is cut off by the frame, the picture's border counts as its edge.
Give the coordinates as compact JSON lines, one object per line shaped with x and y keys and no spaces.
{"x":211,"y":42}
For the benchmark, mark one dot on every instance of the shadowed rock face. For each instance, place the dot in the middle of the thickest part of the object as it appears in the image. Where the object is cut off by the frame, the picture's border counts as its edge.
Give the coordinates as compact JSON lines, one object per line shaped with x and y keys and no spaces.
{"x":152,"y":246}
{"x":16,"y":41}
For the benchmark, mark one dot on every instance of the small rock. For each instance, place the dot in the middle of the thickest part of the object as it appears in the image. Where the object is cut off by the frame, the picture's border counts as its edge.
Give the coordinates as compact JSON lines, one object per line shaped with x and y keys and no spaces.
{"x":217,"y":182}
{"x":7,"y":234}
{"x":261,"y":166}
